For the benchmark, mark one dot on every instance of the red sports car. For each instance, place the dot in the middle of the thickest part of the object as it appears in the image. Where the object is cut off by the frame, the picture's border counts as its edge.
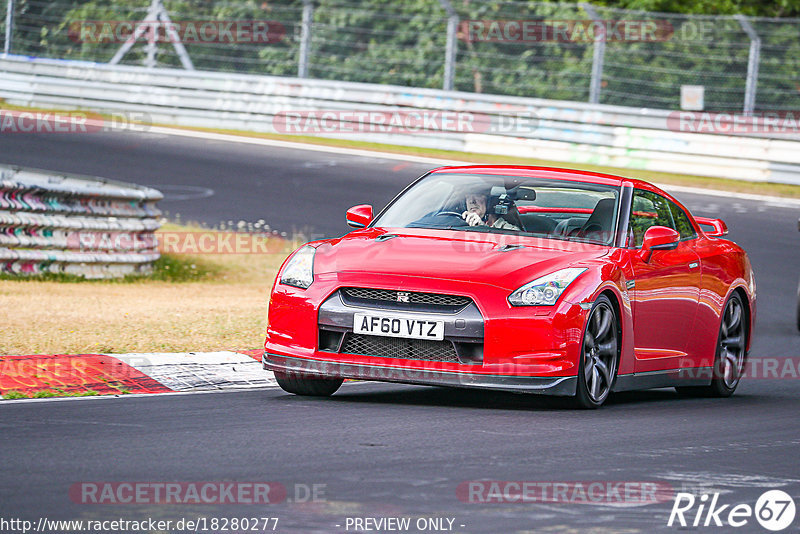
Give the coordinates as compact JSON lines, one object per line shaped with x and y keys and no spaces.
{"x":513,"y":278}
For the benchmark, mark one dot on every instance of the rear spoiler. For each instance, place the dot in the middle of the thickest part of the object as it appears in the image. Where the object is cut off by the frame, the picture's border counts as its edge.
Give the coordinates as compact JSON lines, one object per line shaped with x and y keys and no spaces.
{"x":719,"y":227}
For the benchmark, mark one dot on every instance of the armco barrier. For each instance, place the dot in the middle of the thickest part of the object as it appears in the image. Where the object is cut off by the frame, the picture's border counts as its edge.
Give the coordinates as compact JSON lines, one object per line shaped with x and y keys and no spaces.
{"x":71,"y":224}
{"x":572,"y":132}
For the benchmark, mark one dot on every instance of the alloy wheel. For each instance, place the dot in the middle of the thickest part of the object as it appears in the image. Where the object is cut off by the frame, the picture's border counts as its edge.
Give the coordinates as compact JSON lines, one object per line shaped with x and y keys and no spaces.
{"x":732,"y":344}
{"x":600,"y":352}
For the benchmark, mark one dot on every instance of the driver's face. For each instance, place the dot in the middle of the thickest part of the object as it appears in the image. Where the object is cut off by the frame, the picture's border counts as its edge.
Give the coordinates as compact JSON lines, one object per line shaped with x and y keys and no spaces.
{"x":476,"y":203}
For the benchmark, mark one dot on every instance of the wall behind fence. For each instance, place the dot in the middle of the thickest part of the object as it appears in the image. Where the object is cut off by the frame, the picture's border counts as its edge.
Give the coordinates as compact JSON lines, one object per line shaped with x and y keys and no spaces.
{"x":91,"y":227}
{"x":635,"y":138}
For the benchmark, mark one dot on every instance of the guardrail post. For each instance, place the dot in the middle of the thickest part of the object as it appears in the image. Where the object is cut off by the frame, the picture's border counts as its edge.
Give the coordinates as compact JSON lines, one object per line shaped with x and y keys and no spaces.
{"x":451,"y":49}
{"x":752,"y":65}
{"x":183,"y":55}
{"x":9,"y":27}
{"x":152,"y":39}
{"x":598,"y":55}
{"x":305,"y":39}
{"x":156,"y":12}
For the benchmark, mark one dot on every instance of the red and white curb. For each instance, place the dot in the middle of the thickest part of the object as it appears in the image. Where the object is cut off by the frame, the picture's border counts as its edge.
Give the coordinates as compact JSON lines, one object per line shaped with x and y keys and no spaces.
{"x":62,"y":374}
{"x":201,"y":371}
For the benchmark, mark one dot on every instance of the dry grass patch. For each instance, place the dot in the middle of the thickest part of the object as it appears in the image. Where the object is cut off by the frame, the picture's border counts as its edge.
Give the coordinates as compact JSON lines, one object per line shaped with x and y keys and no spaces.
{"x":49,"y":317}
{"x":217,"y":302}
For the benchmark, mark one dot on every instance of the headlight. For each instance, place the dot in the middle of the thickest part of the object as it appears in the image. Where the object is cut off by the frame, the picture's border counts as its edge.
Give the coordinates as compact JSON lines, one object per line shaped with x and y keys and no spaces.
{"x":299,"y":271}
{"x":545,"y":291}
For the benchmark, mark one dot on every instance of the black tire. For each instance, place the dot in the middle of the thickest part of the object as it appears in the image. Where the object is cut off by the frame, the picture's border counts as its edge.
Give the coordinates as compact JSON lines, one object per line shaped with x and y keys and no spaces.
{"x":312,"y":385}
{"x":798,"y":307}
{"x":729,"y":360}
{"x":597,"y":369}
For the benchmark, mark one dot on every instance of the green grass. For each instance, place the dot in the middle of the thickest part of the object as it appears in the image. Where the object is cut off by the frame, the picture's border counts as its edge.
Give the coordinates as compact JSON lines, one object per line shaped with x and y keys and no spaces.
{"x":10,"y":395}
{"x":168,"y":268}
{"x":48,"y":393}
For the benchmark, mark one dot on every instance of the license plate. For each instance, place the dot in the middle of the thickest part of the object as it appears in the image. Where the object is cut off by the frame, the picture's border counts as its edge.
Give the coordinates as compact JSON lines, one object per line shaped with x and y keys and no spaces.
{"x":396,"y":326}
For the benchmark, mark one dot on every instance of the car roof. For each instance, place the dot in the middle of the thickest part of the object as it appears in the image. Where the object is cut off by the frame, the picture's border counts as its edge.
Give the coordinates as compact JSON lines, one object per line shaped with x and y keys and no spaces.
{"x":546,"y":172}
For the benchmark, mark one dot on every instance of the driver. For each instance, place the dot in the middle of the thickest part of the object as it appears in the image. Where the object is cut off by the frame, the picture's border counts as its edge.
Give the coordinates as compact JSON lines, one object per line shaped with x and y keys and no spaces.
{"x":476,"y":213}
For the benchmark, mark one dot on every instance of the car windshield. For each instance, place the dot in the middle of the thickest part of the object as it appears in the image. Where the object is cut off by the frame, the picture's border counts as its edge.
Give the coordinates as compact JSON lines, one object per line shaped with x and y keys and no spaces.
{"x":558,"y":209}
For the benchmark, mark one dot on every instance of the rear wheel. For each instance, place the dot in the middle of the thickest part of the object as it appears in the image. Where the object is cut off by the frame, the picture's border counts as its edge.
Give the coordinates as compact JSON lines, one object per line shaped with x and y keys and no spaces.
{"x":312,"y":385}
{"x":730,"y":358}
{"x":599,"y":355}
{"x":798,"y":306}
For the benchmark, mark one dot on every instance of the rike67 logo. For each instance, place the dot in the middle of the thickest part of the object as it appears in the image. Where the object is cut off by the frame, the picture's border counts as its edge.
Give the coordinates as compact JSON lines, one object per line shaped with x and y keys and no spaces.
{"x":774,"y":510}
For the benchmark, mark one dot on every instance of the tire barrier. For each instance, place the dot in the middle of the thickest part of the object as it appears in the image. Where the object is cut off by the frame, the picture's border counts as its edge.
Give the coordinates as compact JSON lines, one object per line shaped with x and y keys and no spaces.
{"x":90,"y":227}
{"x":761,"y":149}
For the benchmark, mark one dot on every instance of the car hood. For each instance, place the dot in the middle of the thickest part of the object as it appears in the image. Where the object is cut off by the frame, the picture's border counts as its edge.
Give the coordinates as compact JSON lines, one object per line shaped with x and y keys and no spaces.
{"x":502,"y":260}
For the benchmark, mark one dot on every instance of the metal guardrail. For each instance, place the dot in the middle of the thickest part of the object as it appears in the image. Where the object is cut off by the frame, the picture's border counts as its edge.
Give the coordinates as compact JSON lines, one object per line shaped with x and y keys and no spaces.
{"x":92,"y":227}
{"x":635,"y":138}
{"x":584,"y":52}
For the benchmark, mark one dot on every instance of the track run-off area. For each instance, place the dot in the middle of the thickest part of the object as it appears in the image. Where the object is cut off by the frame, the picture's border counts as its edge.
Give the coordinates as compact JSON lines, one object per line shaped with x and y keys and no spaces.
{"x":394,"y":451}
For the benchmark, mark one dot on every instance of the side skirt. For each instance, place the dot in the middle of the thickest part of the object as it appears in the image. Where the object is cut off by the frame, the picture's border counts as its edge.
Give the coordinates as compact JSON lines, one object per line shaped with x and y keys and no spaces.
{"x":699,"y":376}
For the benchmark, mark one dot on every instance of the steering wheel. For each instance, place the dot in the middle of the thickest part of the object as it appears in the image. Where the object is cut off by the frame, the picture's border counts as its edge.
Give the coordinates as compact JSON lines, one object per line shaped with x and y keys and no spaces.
{"x":455,"y":218}
{"x":441,"y":213}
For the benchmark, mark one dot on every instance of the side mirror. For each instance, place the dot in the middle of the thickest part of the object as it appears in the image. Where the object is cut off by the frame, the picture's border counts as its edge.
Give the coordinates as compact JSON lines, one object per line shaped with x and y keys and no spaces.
{"x":359,"y":216}
{"x":658,"y":238}
{"x":719,"y":227}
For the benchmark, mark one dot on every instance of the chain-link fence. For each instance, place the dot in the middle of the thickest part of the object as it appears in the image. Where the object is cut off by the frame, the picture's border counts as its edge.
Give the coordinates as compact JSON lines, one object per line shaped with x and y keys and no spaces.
{"x":558,"y":51}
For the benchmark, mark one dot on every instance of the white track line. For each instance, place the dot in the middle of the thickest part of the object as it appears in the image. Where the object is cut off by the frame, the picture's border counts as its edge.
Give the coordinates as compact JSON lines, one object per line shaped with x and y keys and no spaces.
{"x":303,"y":146}
{"x":772,"y":200}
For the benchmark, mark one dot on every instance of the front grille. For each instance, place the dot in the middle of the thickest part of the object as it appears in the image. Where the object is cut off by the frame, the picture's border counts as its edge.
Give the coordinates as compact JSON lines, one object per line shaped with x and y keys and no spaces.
{"x":392,"y":347}
{"x":434,"y":299}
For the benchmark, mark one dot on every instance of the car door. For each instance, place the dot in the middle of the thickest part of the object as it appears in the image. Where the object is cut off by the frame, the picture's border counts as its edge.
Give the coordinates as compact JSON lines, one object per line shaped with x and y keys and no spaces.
{"x":666,"y":285}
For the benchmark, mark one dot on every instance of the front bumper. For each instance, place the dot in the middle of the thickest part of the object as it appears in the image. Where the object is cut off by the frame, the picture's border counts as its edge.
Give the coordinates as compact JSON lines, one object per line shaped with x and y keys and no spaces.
{"x":497,"y":346}
{"x":558,"y":386}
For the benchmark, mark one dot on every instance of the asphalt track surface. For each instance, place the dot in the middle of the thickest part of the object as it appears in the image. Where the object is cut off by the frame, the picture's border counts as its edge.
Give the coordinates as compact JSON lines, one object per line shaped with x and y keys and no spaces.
{"x":384,"y":450}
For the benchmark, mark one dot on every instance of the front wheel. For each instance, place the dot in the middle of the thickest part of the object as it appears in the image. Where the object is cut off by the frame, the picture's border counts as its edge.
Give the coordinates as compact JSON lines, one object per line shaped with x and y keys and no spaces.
{"x":731,"y":351}
{"x":312,"y":385}
{"x":599,"y":355}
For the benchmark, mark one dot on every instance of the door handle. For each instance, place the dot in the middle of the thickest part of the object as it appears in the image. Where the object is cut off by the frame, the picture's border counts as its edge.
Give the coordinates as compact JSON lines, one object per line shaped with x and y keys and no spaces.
{"x":694,"y":265}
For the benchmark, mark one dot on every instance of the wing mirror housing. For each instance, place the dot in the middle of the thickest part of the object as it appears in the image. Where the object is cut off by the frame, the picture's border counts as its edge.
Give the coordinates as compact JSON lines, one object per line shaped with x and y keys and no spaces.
{"x":658,"y":238}
{"x":719,"y":227}
{"x":359,"y":216}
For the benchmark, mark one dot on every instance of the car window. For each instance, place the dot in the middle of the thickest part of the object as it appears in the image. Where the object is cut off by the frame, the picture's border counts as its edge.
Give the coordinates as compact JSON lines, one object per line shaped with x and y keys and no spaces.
{"x":682,"y":223}
{"x":648,"y":209}
{"x":550,"y":208}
